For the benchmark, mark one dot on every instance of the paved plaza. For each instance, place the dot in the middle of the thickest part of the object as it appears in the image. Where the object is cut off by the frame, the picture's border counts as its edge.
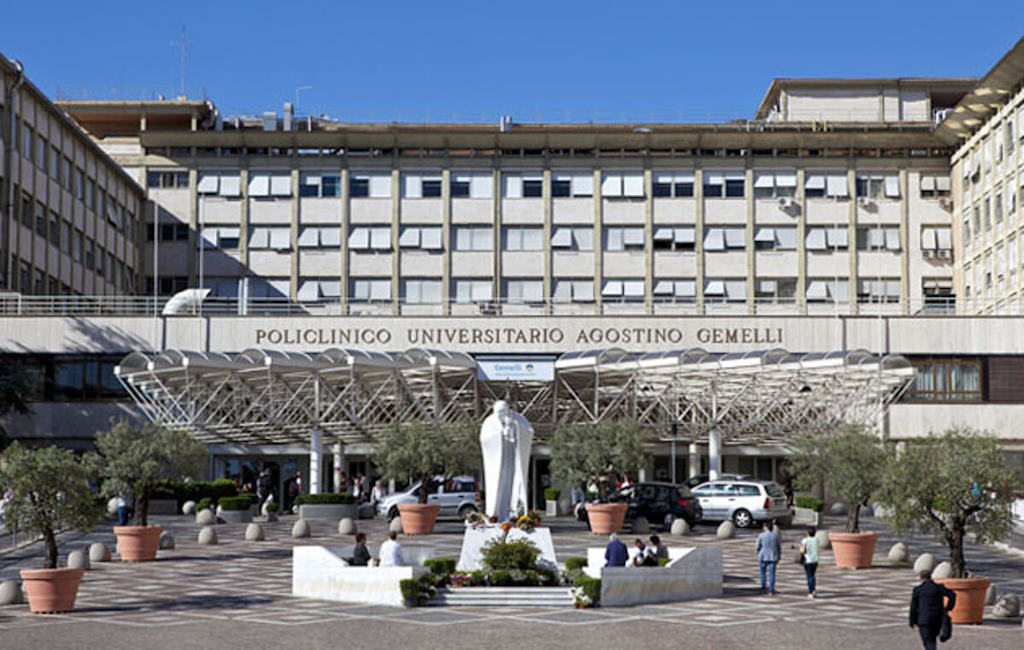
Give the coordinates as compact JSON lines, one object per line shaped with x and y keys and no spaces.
{"x":238,"y":594}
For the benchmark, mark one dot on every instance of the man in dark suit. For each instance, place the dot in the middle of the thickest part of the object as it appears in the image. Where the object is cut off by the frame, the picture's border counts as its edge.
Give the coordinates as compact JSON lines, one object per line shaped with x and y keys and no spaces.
{"x":616,"y":553}
{"x":927,"y":608}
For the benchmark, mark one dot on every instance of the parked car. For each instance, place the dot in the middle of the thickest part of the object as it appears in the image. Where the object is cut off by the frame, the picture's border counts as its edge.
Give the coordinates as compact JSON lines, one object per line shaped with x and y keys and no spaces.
{"x":694,"y":481}
{"x":743,"y":502}
{"x":659,"y":503}
{"x":457,"y":496}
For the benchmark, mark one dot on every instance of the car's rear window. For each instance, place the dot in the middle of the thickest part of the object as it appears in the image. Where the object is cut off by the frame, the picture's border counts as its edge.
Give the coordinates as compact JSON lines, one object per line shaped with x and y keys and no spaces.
{"x":684,"y":492}
{"x":748,"y":490}
{"x":775,"y":490}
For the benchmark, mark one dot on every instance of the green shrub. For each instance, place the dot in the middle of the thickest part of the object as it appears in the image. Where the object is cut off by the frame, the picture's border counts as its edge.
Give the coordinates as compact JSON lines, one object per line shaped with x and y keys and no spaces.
{"x":591,"y":589}
{"x":223,"y":487}
{"x":441,"y":566}
{"x":234,"y":503}
{"x":552,"y":494}
{"x":162,"y":493}
{"x":477,"y":578}
{"x":506,"y":555}
{"x":271,"y":506}
{"x":575,"y":562}
{"x":410,"y":591}
{"x":809,"y":502}
{"x":251,"y":496}
{"x":663,"y":561}
{"x":204,"y":504}
{"x":324,"y":499}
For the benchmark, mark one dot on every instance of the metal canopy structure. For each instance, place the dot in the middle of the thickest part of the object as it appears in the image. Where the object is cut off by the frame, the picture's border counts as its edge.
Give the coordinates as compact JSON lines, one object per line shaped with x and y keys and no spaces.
{"x":273,"y":397}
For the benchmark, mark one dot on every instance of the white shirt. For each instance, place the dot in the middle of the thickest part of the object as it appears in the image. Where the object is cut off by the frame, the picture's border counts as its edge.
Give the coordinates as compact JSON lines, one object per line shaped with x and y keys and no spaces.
{"x":390,"y":553}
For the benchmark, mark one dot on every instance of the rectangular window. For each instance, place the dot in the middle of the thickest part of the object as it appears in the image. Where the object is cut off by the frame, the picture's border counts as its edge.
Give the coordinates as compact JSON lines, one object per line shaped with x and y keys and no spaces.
{"x":65,"y":238}
{"x":623,"y":290}
{"x":471,"y":291}
{"x":421,"y":185}
{"x":620,"y":238}
{"x":878,"y":290}
{"x":370,"y":238}
{"x":572,"y":184}
{"x":938,"y":295}
{"x":946,"y":380}
{"x":471,"y":185}
{"x":320,"y":185}
{"x":65,"y":173}
{"x":517,"y":185}
{"x":55,"y":230}
{"x":41,"y":220}
{"x":473,"y":238}
{"x":26,"y":211}
{"x":421,"y":292}
{"x":877,"y":186}
{"x":826,"y":184}
{"x":725,"y":290}
{"x":55,"y":159}
{"x":723,"y":239}
{"x":79,"y":184}
{"x":680,"y":238}
{"x":524,"y":291}
{"x":566,"y":291}
{"x":264,"y":185}
{"x":827,"y":290}
{"x":622,"y":185}
{"x":578,"y":239}
{"x":773,"y":185}
{"x":775,"y":290}
{"x":523,"y":238}
{"x":673,"y":184}
{"x":775,"y":238}
{"x":368,"y":185}
{"x":730,"y":184}
{"x":90,"y":258}
{"x":370,"y":290}
{"x":27,"y":150}
{"x":878,"y":238}
{"x":934,"y":186}
{"x":675,"y":291}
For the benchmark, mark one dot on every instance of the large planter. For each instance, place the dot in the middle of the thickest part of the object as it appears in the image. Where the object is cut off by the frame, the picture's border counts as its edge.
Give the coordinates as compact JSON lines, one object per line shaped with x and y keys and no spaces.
{"x":970,"y":599}
{"x":606,"y":518}
{"x":418,"y":518}
{"x":51,"y":591}
{"x":331,"y":511}
{"x":551,"y":508}
{"x":138,"y":543}
{"x":853,"y":550}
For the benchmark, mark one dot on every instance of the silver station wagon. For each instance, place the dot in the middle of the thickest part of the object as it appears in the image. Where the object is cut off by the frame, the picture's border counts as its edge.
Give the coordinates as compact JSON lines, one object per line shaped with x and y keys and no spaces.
{"x":743,"y":502}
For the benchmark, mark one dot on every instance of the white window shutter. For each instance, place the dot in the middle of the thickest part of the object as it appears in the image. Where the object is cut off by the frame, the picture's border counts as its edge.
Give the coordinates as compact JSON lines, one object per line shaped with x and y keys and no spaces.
{"x":612,"y":288}
{"x":892,"y":239}
{"x":838,"y":238}
{"x":583,"y":291}
{"x":563,"y":291}
{"x":685,"y":235}
{"x":309,"y":237}
{"x":330,"y":236}
{"x":380,"y":186}
{"x":633,"y":237}
{"x":281,"y":185}
{"x":633,"y":288}
{"x":480,"y":186}
{"x":380,"y":238}
{"x":430,"y":238}
{"x":764,"y":181}
{"x":715,"y":288}
{"x":663,"y":234}
{"x":359,"y":239}
{"x":837,"y":185}
{"x":944,"y":238}
{"x":686,"y":288}
{"x":611,"y":185}
{"x":259,"y":238}
{"x":582,"y":184}
{"x":481,"y":291}
{"x":231,"y":186}
{"x":927,"y":183}
{"x":892,"y":187}
{"x":584,"y":238}
{"x":259,"y":185}
{"x":928,"y":239}
{"x":633,"y":185}
{"x":816,"y":239}
{"x":482,"y":239}
{"x":208,"y":183}
{"x":714,"y":239}
{"x":664,"y":288}
{"x":309,"y":291}
{"x":410,"y":237}
{"x":785,"y":179}
{"x":815,"y":182}
{"x":280,"y":239}
{"x":735,"y":238}
{"x":412,"y":186}
{"x":513,"y":186}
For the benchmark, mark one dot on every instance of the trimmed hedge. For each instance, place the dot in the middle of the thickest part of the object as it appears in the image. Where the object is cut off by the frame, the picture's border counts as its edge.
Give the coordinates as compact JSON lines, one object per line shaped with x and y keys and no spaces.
{"x":251,"y":496}
{"x":410,"y":591}
{"x":441,"y":566}
{"x":575,"y":562}
{"x":806,"y":501}
{"x":552,"y":494}
{"x":206,"y":503}
{"x":162,"y":493}
{"x":234,"y":503}
{"x":591,"y":588}
{"x":324,"y":499}
{"x":183,"y":491}
{"x":271,"y":506}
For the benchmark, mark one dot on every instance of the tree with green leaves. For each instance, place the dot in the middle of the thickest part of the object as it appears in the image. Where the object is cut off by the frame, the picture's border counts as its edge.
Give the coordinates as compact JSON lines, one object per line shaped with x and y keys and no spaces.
{"x":418,"y":451}
{"x":952,"y":484}
{"x":18,"y":384}
{"x":51,"y":490}
{"x":582,"y":454}
{"x":850,"y":462}
{"x":136,"y":459}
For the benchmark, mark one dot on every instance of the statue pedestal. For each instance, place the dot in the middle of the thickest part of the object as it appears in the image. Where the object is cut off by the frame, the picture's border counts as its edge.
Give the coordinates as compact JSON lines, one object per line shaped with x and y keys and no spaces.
{"x":474,"y":539}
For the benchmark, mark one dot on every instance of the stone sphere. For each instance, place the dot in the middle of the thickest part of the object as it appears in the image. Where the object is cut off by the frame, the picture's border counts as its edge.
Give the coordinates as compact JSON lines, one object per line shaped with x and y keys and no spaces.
{"x":112,"y":506}
{"x":680,"y":528}
{"x":641,"y":526}
{"x":10,"y":592}
{"x":98,"y":552}
{"x":206,"y":518}
{"x":78,"y":560}
{"x":726,"y":530}
{"x":166,"y":542}
{"x":254,"y":533}
{"x":271,"y":517}
{"x":824,"y":543}
{"x":263,"y":508}
{"x":346,"y":526}
{"x":867,"y":511}
{"x":837,"y":510}
{"x":208,"y":536}
{"x":395,"y":525}
{"x":943,"y":570}
{"x":301,"y":529}
{"x":188,"y":508}
{"x":1007,"y":607}
{"x":899,"y":553}
{"x":924,"y":562}
{"x":990,"y":595}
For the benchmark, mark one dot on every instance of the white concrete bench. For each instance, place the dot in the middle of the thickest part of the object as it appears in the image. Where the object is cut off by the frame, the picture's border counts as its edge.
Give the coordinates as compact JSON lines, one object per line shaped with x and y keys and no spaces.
{"x":692,"y":573}
{"x":320,"y":572}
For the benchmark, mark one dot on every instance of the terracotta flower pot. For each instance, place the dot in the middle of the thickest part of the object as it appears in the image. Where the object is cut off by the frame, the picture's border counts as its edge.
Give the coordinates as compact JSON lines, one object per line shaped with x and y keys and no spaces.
{"x":51,"y":591}
{"x":138,"y":543}
{"x":853,"y":550}
{"x":970,"y":599}
{"x":606,"y":518}
{"x":418,"y":518}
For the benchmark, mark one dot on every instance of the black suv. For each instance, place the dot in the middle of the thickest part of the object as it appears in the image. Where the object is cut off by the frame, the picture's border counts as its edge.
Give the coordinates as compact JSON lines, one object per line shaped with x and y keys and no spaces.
{"x":659,"y":503}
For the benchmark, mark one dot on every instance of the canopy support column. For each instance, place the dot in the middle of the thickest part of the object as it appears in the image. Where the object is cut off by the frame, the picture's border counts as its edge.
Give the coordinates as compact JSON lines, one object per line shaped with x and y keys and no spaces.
{"x":315,"y":450}
{"x":714,"y":440}
{"x":694,"y":460}
{"x":338,"y":461}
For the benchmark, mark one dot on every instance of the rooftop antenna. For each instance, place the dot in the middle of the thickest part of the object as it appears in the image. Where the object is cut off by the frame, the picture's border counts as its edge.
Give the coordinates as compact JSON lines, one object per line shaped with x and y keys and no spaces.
{"x":299,"y":89}
{"x":183,"y":43}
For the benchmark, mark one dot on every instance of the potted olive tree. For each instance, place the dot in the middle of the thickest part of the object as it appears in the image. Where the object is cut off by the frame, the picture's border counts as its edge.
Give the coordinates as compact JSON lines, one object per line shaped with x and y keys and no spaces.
{"x":133,"y":462}
{"x":850,"y":463}
{"x":953,"y":484}
{"x":419,"y":451}
{"x":51,"y":490}
{"x":598,"y":454}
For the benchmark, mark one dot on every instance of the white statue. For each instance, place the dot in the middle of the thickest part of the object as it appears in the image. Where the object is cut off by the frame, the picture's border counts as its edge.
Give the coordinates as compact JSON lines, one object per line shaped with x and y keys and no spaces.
{"x":505,"y":439}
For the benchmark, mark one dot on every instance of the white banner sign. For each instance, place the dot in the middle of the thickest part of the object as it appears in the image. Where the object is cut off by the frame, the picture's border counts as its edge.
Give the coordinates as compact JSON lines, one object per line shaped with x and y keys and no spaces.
{"x":515,"y":369}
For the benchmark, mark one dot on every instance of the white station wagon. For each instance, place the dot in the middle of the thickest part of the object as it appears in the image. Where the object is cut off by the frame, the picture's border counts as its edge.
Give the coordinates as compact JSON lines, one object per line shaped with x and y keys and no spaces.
{"x":743,"y":502}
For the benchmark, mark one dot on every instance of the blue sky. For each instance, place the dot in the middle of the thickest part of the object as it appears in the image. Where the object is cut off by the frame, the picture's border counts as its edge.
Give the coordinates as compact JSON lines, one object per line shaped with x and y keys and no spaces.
{"x":473,"y":61}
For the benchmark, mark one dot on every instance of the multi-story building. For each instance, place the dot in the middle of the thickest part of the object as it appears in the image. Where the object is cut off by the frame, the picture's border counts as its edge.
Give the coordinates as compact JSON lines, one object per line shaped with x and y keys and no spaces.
{"x":70,"y":215}
{"x":828,"y":222}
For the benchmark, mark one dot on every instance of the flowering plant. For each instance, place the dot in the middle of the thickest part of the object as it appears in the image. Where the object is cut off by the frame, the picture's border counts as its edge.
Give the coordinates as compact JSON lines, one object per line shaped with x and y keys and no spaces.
{"x":461,"y":579}
{"x":580,"y":599}
{"x":528,"y":521}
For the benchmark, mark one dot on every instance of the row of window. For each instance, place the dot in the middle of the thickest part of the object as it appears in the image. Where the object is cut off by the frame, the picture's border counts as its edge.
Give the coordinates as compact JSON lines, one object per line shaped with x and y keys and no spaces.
{"x":531,"y":290}
{"x":936,"y":239}
{"x":68,"y":377}
{"x":517,"y":185}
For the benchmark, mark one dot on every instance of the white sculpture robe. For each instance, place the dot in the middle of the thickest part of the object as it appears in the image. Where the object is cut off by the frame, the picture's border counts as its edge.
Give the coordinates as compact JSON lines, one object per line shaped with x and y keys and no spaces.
{"x":506,"y":438}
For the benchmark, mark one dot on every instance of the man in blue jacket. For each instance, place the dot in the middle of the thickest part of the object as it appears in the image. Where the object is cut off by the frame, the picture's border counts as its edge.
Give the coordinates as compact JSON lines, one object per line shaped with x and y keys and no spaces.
{"x":769,"y":549}
{"x":615,"y":554}
{"x":927,"y":608}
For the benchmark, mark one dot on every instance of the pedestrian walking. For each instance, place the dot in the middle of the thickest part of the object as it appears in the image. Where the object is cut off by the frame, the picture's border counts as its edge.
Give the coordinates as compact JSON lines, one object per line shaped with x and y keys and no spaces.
{"x":809,"y":558}
{"x":769,"y":550}
{"x":264,"y":484}
{"x":927,"y":610}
